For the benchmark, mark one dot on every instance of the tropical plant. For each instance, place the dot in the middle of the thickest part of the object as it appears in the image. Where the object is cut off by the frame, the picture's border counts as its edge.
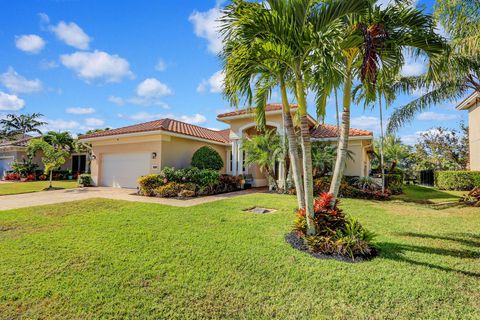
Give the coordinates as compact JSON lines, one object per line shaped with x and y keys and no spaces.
{"x":60,"y":140}
{"x":264,"y":150}
{"x":24,"y":168}
{"x":301,"y":36}
{"x":323,"y":157}
{"x":52,"y":157}
{"x":21,"y":125}
{"x":375,"y":41}
{"x":457,"y":72}
{"x":247,"y":62}
{"x":366,"y":183}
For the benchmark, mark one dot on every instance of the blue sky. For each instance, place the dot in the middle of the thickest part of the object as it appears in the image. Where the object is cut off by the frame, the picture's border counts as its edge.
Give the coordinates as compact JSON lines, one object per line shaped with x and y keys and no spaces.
{"x":92,"y":64}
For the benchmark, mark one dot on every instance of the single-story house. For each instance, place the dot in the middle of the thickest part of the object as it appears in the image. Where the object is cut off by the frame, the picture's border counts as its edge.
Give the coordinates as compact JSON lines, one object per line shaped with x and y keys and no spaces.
{"x":472,"y":104}
{"x":16,"y":150}
{"x":120,"y":156}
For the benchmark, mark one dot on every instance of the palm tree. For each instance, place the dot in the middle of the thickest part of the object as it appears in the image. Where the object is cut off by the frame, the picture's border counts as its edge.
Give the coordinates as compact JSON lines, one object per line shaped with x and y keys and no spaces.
{"x":245,"y":62}
{"x":301,"y":35}
{"x":21,"y":125}
{"x":60,"y":140}
{"x":457,"y":72}
{"x":264,"y":150}
{"x":375,"y":41}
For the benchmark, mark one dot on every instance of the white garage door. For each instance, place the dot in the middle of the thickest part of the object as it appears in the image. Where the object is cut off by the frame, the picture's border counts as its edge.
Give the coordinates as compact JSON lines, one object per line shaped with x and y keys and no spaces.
{"x":121,"y":170}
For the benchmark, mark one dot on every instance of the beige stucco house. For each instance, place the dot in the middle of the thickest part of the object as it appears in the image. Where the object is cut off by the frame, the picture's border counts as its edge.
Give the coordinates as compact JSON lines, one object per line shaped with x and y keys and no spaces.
{"x":16,"y":150}
{"x":120,"y":156}
{"x":472,"y":104}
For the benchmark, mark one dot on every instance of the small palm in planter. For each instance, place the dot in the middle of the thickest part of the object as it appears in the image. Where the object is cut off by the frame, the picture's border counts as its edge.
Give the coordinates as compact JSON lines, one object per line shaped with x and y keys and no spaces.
{"x":336,"y":235}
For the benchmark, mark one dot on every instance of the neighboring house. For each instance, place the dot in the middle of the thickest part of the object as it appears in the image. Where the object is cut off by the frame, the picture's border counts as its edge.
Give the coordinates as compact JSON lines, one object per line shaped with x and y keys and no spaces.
{"x":472,"y":104}
{"x":16,"y":150}
{"x":120,"y":156}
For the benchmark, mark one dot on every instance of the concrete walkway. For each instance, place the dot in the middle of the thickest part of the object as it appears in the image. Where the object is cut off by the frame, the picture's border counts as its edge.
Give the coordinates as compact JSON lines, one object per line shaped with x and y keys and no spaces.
{"x":58,"y":196}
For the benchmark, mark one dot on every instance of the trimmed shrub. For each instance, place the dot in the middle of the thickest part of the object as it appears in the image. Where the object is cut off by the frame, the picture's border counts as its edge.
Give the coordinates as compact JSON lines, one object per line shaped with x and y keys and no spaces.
{"x":457,"y":180}
{"x":170,"y":190}
{"x":85,"y":180}
{"x":207,"y":158}
{"x":149,"y":183}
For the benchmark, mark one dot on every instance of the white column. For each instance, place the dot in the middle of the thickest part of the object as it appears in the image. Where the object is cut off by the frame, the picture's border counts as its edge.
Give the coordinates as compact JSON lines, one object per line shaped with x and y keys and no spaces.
{"x":234,"y":157}
{"x":240,"y":157}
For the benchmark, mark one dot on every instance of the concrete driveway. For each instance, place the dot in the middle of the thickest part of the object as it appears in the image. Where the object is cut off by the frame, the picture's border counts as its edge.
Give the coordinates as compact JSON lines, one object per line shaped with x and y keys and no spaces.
{"x":58,"y":196}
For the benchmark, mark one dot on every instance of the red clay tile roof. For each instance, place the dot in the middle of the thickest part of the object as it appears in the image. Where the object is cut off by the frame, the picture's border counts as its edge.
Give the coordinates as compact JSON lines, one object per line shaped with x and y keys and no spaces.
{"x":269,"y":107}
{"x":323,"y":131}
{"x":169,"y":125}
{"x":17,"y":143}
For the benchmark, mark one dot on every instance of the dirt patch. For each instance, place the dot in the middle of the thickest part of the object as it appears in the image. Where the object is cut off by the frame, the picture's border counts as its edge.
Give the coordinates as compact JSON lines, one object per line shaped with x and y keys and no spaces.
{"x":297,"y":243}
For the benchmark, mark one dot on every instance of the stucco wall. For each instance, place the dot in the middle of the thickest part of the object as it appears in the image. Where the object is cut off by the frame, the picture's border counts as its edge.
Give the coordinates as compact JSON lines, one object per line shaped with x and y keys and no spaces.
{"x":177,"y":152}
{"x":20,"y":155}
{"x":474,"y":136}
{"x":360,"y":165}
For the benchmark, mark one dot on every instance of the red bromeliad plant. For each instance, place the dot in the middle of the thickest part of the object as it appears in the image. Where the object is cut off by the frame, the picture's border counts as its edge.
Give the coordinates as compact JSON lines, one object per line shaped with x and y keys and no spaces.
{"x":335,"y":233}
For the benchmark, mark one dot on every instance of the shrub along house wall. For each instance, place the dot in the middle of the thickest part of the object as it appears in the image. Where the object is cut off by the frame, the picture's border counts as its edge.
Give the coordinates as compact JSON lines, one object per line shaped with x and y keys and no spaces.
{"x":457,"y":180}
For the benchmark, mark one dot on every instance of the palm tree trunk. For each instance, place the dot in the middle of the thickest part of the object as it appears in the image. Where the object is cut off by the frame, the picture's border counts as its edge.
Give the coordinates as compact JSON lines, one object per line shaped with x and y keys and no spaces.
{"x":306,"y":156}
{"x":51,"y":174}
{"x":342,"y":148}
{"x":292,"y":147}
{"x":382,"y":163}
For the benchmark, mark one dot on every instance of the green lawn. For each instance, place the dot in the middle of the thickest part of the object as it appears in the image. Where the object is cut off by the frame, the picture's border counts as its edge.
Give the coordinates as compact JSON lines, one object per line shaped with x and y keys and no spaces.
{"x":428,"y":195}
{"x":35,"y":186}
{"x":113,"y":259}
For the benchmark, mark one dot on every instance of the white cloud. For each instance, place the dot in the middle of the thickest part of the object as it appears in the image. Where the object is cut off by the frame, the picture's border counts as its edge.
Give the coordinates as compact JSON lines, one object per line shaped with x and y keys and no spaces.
{"x":48,"y":64}
{"x":434,"y":116}
{"x":94,"y":122}
{"x":206,"y":25}
{"x":146,"y":116}
{"x":30,"y":43}
{"x":214,"y":84}
{"x":151,"y":87}
{"x":413,"y":69}
{"x":60,"y":125}
{"x":366,"y":122}
{"x":10,"y":102}
{"x":44,"y":19}
{"x":97,"y":65}
{"x":161,"y":65}
{"x":19,"y":84}
{"x":71,"y":34}
{"x":148,"y":93}
{"x":76,"y":110}
{"x":410,"y":139}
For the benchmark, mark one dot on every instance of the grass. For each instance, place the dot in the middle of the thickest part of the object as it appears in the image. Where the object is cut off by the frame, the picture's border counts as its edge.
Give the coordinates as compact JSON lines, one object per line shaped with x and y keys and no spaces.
{"x":34,"y":186}
{"x":112,"y":259}
{"x":428,"y":195}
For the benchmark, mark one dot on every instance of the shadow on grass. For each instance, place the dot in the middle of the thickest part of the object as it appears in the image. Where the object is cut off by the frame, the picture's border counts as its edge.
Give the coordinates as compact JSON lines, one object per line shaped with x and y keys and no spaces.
{"x":429,"y":196}
{"x":467,"y":239}
{"x":397,"y":251}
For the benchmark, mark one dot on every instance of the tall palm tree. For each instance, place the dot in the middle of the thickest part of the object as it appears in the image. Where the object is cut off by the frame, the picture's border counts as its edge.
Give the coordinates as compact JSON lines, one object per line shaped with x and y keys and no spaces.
{"x":457,"y":72}
{"x":249,"y":63}
{"x":20,"y":125}
{"x":301,"y":35}
{"x":375,"y":41}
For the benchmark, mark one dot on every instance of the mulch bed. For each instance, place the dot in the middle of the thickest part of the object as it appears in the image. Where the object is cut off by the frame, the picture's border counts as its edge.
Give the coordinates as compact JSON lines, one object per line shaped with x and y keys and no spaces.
{"x":297,"y":243}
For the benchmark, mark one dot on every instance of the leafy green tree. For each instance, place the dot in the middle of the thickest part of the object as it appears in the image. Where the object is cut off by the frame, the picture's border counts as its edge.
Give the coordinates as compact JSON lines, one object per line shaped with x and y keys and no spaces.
{"x":207,"y":158}
{"x":264,"y":150}
{"x":52,"y":157}
{"x":21,"y":125}
{"x":323,"y":157}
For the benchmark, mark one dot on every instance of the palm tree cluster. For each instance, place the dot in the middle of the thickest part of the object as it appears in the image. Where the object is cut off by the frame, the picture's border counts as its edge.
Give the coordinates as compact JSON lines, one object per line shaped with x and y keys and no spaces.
{"x":19,"y":126}
{"x":313,"y":46}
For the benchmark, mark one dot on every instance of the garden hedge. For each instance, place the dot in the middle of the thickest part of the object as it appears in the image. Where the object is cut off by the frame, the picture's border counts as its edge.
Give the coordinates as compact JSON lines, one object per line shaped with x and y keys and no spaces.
{"x":207,"y":158}
{"x":457,"y":180}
